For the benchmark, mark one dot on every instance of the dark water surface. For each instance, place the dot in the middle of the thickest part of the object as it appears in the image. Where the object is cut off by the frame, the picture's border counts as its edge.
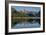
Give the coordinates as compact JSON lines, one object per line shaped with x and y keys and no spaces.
{"x":26,"y":24}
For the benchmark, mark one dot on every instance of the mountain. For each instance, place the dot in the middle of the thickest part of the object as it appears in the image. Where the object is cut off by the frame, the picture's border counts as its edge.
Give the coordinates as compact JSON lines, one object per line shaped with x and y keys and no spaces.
{"x":34,"y":14}
{"x":25,"y":13}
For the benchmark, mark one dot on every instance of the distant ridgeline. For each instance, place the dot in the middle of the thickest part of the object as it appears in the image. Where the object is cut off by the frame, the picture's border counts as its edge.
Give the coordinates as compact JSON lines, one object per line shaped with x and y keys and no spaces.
{"x":24,"y":13}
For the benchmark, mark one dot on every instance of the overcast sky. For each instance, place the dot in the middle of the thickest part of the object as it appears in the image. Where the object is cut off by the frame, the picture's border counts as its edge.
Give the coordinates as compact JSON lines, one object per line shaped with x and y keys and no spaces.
{"x":34,"y":9}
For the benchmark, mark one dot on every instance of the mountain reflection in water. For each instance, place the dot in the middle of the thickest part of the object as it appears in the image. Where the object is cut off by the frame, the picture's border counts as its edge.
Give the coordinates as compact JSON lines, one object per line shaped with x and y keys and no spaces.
{"x":27,"y":24}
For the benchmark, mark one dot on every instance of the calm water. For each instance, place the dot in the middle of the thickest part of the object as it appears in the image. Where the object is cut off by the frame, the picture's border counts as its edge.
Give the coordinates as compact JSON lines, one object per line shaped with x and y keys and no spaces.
{"x":26,"y":25}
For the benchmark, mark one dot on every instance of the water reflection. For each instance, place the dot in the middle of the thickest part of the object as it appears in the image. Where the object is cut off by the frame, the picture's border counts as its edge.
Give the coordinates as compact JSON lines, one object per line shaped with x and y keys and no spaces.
{"x":26,"y":23}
